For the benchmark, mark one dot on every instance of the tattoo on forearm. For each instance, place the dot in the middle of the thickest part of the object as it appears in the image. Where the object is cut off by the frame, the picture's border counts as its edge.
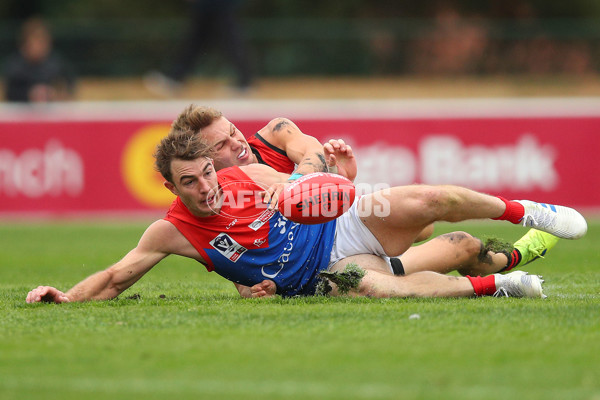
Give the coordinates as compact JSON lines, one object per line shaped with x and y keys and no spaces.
{"x":319,"y":166}
{"x":323,"y":163}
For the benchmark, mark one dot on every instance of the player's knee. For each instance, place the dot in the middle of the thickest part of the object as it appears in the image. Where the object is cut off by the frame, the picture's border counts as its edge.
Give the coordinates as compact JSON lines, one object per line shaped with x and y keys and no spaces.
{"x":474,"y":256}
{"x":471,"y":246}
{"x":466,"y":247}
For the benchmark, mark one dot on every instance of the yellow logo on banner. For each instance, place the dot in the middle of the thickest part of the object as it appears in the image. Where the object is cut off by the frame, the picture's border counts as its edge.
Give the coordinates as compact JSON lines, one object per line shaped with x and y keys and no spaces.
{"x":137,"y":166}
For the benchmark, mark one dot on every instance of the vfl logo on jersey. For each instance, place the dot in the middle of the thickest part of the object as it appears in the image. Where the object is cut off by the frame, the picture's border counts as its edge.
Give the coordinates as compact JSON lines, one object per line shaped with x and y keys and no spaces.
{"x":261,"y":220}
{"x":225,"y":245}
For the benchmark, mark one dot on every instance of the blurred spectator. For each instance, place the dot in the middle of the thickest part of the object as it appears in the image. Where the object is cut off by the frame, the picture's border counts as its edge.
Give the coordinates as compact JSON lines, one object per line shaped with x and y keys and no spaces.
{"x":384,"y":49}
{"x":212,"y":22}
{"x":36,"y":73}
{"x":577,"y":59}
{"x":456,"y":45}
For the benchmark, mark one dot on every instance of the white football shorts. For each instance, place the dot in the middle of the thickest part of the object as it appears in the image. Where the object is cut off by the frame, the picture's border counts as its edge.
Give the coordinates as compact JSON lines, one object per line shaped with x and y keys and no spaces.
{"x":352,"y":237}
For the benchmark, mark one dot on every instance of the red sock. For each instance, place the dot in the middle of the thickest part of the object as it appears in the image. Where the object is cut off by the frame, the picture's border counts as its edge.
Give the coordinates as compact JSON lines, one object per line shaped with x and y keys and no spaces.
{"x":514,"y":258}
{"x":514,"y":211}
{"x":483,"y":285}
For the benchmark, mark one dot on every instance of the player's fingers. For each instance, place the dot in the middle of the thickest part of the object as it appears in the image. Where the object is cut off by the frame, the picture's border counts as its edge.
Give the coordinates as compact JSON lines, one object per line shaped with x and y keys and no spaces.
{"x":36,"y":294}
{"x":275,"y":199}
{"x":267,"y":285}
{"x":255,"y":288}
{"x":266,"y":196}
{"x":50,"y":295}
{"x":331,"y":161}
{"x":43,"y":291}
{"x":334,"y":143}
{"x":260,"y":289}
{"x":348,"y":151}
{"x":328,"y":148}
{"x":35,"y":297}
{"x":62,"y":299}
{"x":271,"y":289}
{"x":264,"y":294}
{"x":30,"y":296}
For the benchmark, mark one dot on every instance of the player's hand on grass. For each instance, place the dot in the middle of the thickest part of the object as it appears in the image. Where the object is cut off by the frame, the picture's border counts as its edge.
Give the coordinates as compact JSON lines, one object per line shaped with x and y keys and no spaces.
{"x":46,"y":294}
{"x":340,"y":159}
{"x":265,"y":288}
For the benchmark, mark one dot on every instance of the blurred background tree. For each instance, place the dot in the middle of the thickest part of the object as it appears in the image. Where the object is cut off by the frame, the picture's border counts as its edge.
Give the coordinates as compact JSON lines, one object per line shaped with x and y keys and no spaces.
{"x":335,"y":37}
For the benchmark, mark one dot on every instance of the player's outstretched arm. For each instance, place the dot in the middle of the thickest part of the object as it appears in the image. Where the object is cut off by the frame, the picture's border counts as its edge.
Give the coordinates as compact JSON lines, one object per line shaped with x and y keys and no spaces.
{"x":111,"y":282}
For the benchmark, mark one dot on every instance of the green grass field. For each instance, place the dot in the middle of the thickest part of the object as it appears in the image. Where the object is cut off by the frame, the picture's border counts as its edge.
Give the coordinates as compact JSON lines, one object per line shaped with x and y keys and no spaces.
{"x":188,"y":335}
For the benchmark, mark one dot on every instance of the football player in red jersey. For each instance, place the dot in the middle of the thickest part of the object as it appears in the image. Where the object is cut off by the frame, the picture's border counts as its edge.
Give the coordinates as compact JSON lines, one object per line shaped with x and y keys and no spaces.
{"x":184,"y":161}
{"x":283,"y":146}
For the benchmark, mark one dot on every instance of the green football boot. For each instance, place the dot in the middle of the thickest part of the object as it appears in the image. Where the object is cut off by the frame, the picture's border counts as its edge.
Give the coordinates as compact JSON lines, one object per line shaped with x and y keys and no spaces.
{"x":534,"y":245}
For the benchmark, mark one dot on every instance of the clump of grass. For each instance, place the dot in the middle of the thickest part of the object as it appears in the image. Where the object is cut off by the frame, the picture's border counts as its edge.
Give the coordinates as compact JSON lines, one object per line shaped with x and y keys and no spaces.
{"x":345,"y":281}
{"x":497,"y":245}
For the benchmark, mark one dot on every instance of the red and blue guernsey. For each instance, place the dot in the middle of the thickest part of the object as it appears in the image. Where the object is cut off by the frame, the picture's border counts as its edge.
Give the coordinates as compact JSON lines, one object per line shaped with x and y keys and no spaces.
{"x":247,"y":243}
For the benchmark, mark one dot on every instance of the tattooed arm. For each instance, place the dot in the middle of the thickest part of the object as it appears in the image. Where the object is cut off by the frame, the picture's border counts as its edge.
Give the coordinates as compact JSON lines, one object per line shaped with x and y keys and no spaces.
{"x":304,"y":150}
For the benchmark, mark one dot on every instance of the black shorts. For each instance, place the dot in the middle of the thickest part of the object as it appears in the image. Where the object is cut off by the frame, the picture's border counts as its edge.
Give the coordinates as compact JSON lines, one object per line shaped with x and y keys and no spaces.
{"x":397,"y":266}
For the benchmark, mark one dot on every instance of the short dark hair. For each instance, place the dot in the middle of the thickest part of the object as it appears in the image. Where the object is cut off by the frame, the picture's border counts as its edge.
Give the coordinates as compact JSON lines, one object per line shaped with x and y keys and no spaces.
{"x":182,"y":145}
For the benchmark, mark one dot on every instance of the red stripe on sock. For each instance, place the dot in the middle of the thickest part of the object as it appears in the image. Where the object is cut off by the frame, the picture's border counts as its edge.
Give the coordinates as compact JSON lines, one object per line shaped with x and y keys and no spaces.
{"x":483,"y":285}
{"x":514,"y":211}
{"x":515,"y":259}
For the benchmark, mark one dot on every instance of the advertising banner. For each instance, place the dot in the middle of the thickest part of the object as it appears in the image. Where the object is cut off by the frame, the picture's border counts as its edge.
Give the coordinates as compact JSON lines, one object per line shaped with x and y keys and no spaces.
{"x":63,"y":166}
